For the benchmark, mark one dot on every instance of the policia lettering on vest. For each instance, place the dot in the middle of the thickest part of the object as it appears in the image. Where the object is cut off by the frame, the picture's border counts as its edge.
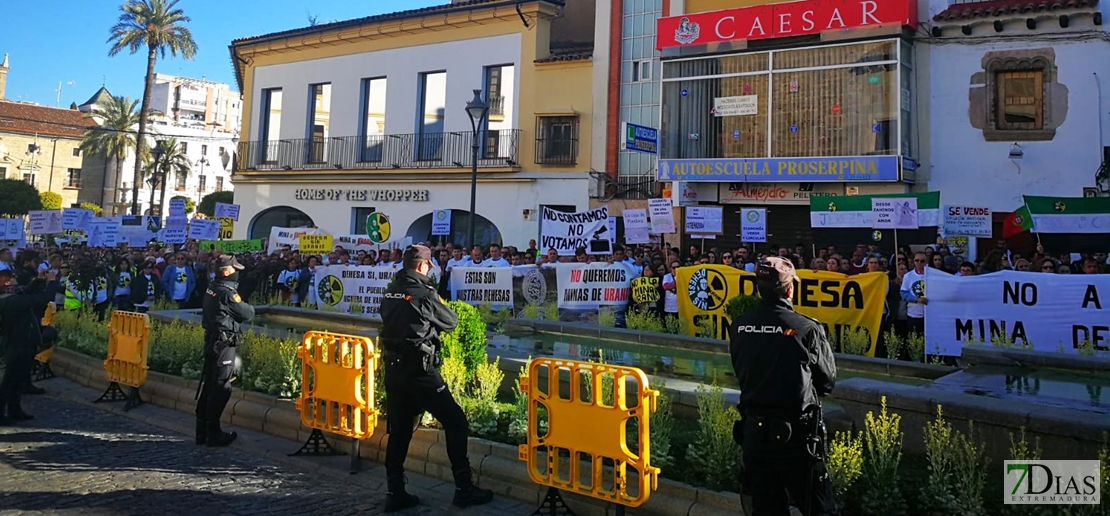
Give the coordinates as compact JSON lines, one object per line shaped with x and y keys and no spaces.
{"x":784,"y":362}
{"x":413,"y":316}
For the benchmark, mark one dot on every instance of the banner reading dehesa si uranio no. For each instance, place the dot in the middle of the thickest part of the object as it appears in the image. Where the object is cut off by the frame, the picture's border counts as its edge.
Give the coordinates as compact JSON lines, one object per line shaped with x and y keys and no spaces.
{"x":839,"y":302}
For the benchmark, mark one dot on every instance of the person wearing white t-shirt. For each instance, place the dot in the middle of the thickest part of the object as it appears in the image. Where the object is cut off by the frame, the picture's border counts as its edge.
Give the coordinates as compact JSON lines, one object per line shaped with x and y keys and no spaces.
{"x":475,"y":259}
{"x":495,"y":259}
{"x":670,"y":292}
{"x":456,"y":259}
{"x":913,"y":291}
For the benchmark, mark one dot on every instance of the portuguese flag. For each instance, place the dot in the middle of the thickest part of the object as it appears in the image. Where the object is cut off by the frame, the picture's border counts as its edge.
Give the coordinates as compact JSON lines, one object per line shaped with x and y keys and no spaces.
{"x":845,"y":221}
{"x":1017,"y":223}
{"x":1071,"y":224}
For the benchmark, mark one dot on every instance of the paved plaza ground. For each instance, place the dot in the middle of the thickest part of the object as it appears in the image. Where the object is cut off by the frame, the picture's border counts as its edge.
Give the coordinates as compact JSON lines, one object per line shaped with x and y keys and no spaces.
{"x":80,"y":458}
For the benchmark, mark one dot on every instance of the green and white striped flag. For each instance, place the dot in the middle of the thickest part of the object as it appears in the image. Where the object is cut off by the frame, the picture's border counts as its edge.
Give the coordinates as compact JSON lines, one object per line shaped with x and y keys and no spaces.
{"x":855,"y":211}
{"x":1055,"y":215}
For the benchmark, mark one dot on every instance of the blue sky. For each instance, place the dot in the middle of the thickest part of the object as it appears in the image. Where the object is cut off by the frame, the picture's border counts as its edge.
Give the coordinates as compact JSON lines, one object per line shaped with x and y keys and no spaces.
{"x":65,"y":40}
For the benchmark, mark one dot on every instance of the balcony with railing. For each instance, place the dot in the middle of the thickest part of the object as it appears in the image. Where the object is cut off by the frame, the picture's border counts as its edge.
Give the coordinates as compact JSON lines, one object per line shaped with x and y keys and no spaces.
{"x":497,"y":108}
{"x":498,"y":149}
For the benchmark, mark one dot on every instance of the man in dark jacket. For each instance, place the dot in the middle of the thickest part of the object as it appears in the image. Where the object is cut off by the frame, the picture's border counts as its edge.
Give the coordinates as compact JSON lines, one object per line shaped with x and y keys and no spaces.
{"x":224,"y":311}
{"x":20,"y":327}
{"x":783,"y":362}
{"x":413,"y":315}
{"x":146,"y":287}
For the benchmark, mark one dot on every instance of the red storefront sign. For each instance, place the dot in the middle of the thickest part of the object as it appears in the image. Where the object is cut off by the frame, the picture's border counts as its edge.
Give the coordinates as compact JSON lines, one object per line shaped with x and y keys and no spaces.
{"x":783,"y":20}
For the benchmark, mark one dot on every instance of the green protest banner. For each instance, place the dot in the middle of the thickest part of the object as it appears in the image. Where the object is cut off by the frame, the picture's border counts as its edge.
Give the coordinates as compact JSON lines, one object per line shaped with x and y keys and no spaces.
{"x":232,"y":246}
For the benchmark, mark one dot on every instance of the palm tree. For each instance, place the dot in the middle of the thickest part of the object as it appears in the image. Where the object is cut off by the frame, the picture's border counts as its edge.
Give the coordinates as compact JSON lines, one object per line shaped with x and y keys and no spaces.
{"x":168,"y":158}
{"x":113,"y":138}
{"x":159,"y":26}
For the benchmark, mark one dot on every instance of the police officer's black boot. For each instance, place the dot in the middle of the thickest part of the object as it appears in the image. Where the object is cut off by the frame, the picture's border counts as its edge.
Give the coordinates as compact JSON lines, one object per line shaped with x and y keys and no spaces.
{"x":31,"y":389}
{"x":466,"y":493}
{"x":396,"y":498}
{"x":202,"y":432}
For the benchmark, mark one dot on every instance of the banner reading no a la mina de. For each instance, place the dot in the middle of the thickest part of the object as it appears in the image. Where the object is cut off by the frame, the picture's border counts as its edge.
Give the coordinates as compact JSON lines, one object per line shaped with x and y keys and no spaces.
{"x":1026,"y":310}
{"x":839,"y":302}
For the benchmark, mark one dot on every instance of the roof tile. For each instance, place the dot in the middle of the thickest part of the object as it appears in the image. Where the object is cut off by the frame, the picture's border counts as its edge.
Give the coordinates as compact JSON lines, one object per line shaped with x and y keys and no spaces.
{"x":17,"y":117}
{"x":993,"y":8}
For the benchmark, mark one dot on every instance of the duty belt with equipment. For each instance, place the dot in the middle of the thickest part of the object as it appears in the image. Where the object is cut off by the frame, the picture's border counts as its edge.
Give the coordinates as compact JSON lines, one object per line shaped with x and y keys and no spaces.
{"x":232,"y":339}
{"x":426,"y":352}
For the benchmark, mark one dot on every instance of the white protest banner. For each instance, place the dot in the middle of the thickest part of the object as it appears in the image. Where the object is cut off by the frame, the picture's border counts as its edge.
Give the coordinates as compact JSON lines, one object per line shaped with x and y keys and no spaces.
{"x":11,"y":229}
{"x":585,"y":286}
{"x":753,"y":225}
{"x":1028,"y":310}
{"x":177,"y":222}
{"x":204,"y":229}
{"x":282,"y":237}
{"x":662,"y":216}
{"x":490,"y":285}
{"x":637,"y":236}
{"x":704,"y":220}
{"x":441,"y":222}
{"x":103,"y":232}
{"x":355,"y":290}
{"x":177,"y":207}
{"x":138,"y":231}
{"x":354,"y":242}
{"x":45,"y":222}
{"x":972,"y":221}
{"x":635,"y":219}
{"x":228,"y":211}
{"x":174,"y":235}
{"x":566,"y":232}
{"x":894,"y":213}
{"x":76,"y":218}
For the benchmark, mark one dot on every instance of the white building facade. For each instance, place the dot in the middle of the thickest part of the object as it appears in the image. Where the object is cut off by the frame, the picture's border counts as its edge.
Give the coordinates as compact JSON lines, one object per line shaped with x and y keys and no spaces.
{"x":1017,"y":102}
{"x":383,"y":127}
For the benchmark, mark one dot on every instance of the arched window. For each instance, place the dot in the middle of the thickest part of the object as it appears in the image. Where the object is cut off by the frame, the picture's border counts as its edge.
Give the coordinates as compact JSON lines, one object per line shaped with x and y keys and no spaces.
{"x":278,"y":216}
{"x":485,"y":232}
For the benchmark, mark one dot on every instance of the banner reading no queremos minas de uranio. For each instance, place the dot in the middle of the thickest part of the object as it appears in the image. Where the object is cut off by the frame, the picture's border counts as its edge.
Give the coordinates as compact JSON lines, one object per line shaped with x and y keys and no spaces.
{"x":845,"y":221}
{"x":475,"y":286}
{"x":841,"y":303}
{"x":589,"y":286}
{"x":1025,"y":310}
{"x":566,"y":232}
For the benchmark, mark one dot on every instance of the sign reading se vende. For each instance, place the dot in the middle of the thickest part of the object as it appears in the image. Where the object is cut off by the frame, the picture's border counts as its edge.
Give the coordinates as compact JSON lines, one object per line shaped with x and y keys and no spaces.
{"x":782,"y":20}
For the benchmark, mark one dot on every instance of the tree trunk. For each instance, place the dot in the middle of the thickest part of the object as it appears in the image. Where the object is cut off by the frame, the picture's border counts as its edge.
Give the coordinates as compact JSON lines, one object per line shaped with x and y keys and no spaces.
{"x":140,"y":141}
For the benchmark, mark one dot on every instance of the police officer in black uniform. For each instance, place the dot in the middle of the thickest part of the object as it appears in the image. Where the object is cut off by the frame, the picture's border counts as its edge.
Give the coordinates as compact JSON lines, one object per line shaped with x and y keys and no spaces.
{"x":21,"y":331}
{"x":784,"y":362}
{"x":413,"y":316}
{"x":224,"y":311}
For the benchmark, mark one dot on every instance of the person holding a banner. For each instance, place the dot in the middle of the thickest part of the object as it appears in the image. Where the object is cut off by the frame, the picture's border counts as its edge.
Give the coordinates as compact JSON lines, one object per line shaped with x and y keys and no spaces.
{"x":413,"y":316}
{"x":784,"y":363}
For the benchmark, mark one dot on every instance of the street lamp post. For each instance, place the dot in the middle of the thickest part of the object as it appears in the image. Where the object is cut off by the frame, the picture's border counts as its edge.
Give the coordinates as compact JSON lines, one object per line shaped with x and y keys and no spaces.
{"x":202,"y":162}
{"x":477,"y":109}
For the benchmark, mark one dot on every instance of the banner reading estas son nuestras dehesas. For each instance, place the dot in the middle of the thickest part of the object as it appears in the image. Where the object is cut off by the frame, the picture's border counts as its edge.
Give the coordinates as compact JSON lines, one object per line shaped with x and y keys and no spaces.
{"x":476,"y":286}
{"x":1025,"y":310}
{"x":841,"y":303}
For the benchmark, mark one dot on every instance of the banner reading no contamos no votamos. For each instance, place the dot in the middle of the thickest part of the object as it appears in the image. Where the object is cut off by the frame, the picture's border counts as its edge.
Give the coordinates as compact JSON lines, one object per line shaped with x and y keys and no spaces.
{"x":841,"y":303}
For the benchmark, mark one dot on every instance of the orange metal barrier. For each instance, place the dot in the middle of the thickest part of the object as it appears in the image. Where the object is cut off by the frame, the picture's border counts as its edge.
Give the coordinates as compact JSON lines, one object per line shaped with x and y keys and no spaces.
{"x":337,"y":390}
{"x":48,"y":317}
{"x":128,"y":347}
{"x":611,"y":460}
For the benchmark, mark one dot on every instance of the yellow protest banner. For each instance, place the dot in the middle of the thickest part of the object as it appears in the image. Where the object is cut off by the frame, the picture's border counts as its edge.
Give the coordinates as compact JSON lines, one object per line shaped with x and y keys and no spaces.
{"x":227,"y":228}
{"x":840,"y":302}
{"x":645,"y":290}
{"x":316,"y":244}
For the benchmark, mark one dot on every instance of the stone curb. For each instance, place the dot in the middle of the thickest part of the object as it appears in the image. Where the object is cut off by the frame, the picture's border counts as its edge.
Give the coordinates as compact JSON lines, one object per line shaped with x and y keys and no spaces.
{"x":1017,"y":357}
{"x":497,"y":465}
{"x":867,"y":364}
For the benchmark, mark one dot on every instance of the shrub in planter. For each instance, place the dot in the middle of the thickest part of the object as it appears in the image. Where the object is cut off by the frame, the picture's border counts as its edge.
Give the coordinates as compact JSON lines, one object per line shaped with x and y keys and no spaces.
{"x":741,"y":305}
{"x":470,"y":335}
{"x":845,"y":463}
{"x":882,"y":440}
{"x":713,"y":454}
